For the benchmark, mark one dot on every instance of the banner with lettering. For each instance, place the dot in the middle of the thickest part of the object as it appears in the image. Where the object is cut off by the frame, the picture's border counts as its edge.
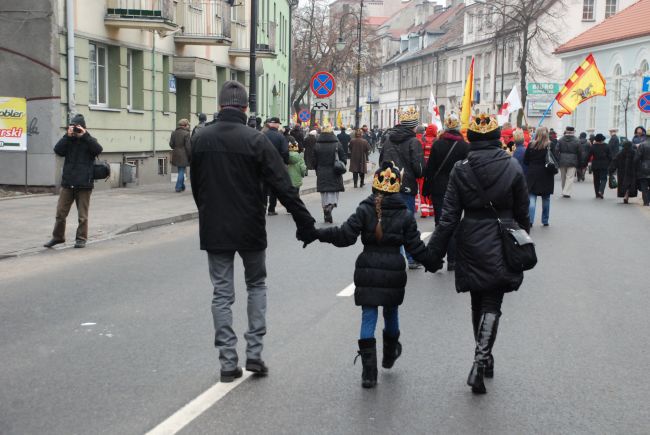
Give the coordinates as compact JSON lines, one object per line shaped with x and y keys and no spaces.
{"x":13,"y":124}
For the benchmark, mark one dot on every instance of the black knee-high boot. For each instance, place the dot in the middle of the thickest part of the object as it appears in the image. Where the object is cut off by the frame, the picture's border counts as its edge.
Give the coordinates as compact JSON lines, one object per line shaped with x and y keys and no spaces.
{"x":361,"y":178}
{"x":392,"y":350}
{"x":476,"y":319}
{"x":368,"y":354}
{"x":486,"y":335}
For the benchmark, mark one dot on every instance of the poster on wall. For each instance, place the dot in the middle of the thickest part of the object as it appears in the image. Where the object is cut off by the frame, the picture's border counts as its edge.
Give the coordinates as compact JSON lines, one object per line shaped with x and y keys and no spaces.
{"x":13,"y":124}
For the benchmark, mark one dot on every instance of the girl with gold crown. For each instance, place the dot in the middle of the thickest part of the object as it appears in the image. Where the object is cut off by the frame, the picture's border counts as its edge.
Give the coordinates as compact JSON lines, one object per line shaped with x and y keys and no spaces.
{"x":385,"y":224}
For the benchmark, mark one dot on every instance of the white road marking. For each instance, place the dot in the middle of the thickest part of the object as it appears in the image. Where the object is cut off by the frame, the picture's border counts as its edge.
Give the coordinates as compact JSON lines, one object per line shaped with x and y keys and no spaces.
{"x":88,"y":324}
{"x":349,"y":290}
{"x":196,"y":407}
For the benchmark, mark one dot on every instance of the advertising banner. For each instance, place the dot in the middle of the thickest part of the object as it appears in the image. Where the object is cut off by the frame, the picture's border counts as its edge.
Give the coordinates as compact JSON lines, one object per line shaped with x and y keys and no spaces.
{"x":13,"y":124}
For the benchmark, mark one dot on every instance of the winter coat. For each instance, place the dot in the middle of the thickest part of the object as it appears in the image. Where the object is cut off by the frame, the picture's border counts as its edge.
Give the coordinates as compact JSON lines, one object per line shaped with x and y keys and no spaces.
{"x":181,"y":147}
{"x":437,"y":185}
{"x":614,"y":145}
{"x":600,"y":154}
{"x":79,"y":153}
{"x":636,"y":140}
{"x":585,"y":147}
{"x":359,"y":152}
{"x":325,"y":152}
{"x":345,"y":139}
{"x":405,"y":150}
{"x":231,"y":164}
{"x":623,"y":165}
{"x":280,"y":143}
{"x":518,"y":154}
{"x":540,"y":180}
{"x":310,"y":143}
{"x":379,"y":274}
{"x":642,"y":161}
{"x":568,"y":150}
{"x":297,"y":168}
{"x":480,"y":265}
{"x":299,"y":136}
{"x":198,"y":127}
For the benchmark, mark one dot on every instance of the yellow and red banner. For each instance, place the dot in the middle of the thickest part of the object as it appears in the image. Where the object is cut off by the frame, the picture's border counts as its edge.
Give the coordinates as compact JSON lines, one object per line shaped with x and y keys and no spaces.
{"x":587,"y":82}
{"x":13,"y":124}
{"x":468,"y":97}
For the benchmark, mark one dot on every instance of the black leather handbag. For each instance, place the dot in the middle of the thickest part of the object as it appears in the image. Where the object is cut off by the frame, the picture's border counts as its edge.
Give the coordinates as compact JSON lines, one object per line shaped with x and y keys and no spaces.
{"x":551,"y":163}
{"x":339,"y":166}
{"x":101,"y":170}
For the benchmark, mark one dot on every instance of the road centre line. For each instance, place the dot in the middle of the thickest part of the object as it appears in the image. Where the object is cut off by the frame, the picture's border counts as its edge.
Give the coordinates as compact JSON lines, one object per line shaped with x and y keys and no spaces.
{"x":184,"y":416}
{"x":349,"y":290}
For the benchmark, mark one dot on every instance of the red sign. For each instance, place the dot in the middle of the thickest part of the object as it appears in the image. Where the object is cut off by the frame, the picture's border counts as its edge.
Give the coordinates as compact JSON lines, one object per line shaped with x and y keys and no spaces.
{"x":323,"y":84}
{"x":644,"y":102}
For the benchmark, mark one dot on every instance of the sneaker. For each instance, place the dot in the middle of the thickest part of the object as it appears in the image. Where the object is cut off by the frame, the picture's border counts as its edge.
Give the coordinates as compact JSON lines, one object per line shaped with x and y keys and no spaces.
{"x":257,"y":366}
{"x":80,"y":244}
{"x":566,"y":196}
{"x":52,"y":243}
{"x":546,"y":224}
{"x":228,"y":376}
{"x":273,"y":213}
{"x":414,"y":265}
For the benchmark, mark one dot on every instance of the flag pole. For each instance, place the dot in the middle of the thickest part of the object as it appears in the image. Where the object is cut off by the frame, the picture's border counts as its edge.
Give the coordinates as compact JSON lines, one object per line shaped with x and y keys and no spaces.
{"x":548,"y":110}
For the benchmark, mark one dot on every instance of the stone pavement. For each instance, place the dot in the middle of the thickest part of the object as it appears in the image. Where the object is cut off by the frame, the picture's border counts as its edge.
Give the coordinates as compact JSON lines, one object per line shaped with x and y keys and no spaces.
{"x":27,"y":222}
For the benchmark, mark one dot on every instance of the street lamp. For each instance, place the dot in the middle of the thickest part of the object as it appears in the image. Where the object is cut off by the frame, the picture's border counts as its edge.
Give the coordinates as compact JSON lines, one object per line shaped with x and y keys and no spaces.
{"x":340,"y":46}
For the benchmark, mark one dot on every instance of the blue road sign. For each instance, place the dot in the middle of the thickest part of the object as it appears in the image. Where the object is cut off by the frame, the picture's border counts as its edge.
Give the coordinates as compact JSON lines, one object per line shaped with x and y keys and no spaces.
{"x":323,"y":84}
{"x":646,"y":84}
{"x":304,"y":116}
{"x":644,"y":102}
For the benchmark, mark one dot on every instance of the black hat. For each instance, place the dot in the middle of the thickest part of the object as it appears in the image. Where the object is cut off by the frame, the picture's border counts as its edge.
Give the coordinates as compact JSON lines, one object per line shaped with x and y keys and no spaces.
{"x":569,"y":131}
{"x":599,"y":137}
{"x":273,"y":120}
{"x":234,"y":94}
{"x":583,"y":135}
{"x":78,"y":119}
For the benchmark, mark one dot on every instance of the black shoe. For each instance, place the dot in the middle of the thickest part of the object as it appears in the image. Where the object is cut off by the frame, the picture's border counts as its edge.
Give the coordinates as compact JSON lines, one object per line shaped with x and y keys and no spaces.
{"x":52,"y":243}
{"x":475,"y":378}
{"x":451,"y":266}
{"x":392,"y":350}
{"x":368,"y":354}
{"x":80,"y":244}
{"x":414,"y":265}
{"x":228,"y":376}
{"x":486,"y":332}
{"x":272,"y":213}
{"x":257,"y":366}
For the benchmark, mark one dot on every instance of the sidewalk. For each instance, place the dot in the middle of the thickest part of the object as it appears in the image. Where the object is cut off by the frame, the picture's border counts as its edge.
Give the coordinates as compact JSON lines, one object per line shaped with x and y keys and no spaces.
{"x":27,"y":222}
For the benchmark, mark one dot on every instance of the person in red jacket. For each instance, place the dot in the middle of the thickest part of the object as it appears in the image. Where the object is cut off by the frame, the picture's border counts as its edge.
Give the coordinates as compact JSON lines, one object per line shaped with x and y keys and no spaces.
{"x":506,"y":134}
{"x":427,"y":139}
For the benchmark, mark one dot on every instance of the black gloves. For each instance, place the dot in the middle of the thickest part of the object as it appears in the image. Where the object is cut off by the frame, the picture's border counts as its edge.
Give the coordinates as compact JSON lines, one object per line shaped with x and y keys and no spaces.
{"x":307,"y":235}
{"x":433,"y":264}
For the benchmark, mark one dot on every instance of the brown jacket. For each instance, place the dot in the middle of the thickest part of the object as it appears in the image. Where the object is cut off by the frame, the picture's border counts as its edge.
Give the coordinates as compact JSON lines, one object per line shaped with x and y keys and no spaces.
{"x":179,"y":142}
{"x":359,"y":151}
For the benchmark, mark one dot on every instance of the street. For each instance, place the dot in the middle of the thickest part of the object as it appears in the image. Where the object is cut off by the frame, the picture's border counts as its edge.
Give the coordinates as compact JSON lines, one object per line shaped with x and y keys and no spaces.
{"x":117,"y":337}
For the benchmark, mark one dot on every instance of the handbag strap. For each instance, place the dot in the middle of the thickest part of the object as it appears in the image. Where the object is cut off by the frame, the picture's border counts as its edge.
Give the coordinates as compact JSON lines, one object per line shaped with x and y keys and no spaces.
{"x":445,"y":159}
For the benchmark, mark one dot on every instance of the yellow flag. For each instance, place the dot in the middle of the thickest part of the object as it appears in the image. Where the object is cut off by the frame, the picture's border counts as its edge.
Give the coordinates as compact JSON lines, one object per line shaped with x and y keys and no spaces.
{"x":468,"y":96}
{"x":339,"y":119}
{"x":587,"y":82}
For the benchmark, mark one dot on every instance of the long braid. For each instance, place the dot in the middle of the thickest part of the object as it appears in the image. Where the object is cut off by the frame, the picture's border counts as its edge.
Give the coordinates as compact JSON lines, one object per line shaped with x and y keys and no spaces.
{"x":379,"y":232}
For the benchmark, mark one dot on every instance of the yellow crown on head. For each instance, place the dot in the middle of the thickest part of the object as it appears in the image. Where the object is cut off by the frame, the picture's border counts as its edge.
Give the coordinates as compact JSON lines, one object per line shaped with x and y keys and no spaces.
{"x":409,"y":115}
{"x":387,"y":179}
{"x":483,"y":123}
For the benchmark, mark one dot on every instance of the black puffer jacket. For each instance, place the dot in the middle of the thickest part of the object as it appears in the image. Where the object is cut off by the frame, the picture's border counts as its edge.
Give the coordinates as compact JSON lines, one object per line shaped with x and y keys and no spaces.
{"x":405,"y":150}
{"x":437,"y":185}
{"x":642,"y":160}
{"x":79,"y":153}
{"x":480,"y":266}
{"x":230,"y":165}
{"x":380,"y":272}
{"x":569,"y":152}
{"x":323,"y":160}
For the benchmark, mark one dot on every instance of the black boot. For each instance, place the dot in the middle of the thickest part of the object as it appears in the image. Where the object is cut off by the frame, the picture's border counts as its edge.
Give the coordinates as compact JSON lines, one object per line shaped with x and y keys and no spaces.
{"x":392,"y":350}
{"x":362,"y":176}
{"x":489,"y":366}
{"x":328,"y":213}
{"x":486,"y":333}
{"x":368,"y":354}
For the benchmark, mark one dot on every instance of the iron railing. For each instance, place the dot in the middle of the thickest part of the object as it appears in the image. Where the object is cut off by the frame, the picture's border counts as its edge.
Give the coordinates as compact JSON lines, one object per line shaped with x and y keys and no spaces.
{"x":203,"y":19}
{"x":241,"y":38}
{"x":141,"y":9}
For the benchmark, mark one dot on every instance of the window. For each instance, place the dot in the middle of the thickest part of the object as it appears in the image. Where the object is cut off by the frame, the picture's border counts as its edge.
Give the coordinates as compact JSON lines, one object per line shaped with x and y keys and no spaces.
{"x":167,"y":83}
{"x":454,"y":66}
{"x":592,"y":114}
{"x":588,"y":10}
{"x":470,"y":23}
{"x":616,"y":96}
{"x":97,"y":75}
{"x":162,"y":165}
{"x":129,"y":79}
{"x":610,"y":8}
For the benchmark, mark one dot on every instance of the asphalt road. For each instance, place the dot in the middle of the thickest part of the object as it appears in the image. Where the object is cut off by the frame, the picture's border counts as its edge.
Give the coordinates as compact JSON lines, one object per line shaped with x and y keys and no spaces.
{"x":115,"y":338}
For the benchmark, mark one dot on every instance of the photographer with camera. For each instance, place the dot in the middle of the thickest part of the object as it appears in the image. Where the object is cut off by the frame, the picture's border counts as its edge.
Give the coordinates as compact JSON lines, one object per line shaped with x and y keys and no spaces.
{"x":79,"y":149}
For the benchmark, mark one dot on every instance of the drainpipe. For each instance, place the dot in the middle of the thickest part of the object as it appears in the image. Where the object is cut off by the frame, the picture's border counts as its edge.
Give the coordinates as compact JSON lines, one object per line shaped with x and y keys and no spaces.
{"x":153,"y":95}
{"x":69,"y":21}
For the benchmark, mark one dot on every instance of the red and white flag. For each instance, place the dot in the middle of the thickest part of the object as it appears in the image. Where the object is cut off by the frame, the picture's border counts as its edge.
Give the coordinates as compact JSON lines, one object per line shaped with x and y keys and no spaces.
{"x":511,"y":105}
{"x":435,"y":112}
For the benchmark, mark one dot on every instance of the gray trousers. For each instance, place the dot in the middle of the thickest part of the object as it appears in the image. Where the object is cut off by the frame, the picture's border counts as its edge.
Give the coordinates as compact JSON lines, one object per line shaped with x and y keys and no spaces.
{"x":222,"y":276}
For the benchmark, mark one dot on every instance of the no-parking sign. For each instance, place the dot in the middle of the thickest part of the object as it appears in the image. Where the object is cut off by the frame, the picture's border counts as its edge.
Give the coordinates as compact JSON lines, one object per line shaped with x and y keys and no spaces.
{"x":323,"y":84}
{"x":304,"y":116}
{"x":644,"y":102}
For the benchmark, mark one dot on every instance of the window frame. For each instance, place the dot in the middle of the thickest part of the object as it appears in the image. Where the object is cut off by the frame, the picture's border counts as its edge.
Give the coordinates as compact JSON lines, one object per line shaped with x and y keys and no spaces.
{"x":129,"y":79}
{"x":616,"y":95}
{"x":588,"y":10}
{"x":611,"y":8}
{"x":94,"y":87}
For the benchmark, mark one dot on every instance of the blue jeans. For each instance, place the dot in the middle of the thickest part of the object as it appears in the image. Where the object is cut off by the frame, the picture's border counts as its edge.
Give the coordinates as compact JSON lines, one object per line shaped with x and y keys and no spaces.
{"x":180,"y":182}
{"x":369,"y":321}
{"x":409,"y":200}
{"x":546,"y":208}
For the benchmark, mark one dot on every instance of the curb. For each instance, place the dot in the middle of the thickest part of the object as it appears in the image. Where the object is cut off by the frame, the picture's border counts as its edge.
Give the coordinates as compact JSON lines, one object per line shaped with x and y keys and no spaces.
{"x":35,"y":195}
{"x":158,"y":223}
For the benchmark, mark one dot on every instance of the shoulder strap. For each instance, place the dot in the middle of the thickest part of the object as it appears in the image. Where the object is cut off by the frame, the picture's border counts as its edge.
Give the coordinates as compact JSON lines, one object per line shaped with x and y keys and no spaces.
{"x":479,"y":188}
{"x":445,"y":159}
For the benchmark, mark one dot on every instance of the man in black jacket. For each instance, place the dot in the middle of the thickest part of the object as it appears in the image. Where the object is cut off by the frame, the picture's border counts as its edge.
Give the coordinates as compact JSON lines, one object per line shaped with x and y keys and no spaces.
{"x":345,"y":139}
{"x":230,"y":165}
{"x":281,"y":144}
{"x":568,"y":149}
{"x":79,"y":149}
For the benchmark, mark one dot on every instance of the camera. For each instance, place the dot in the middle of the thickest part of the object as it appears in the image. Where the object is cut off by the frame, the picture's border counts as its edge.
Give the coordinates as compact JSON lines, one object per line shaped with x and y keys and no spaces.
{"x":76,"y":129}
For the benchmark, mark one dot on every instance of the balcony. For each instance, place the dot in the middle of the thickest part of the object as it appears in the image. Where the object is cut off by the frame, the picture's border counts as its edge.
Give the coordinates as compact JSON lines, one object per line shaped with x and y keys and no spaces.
{"x":241,"y":41}
{"x":203,"y":22}
{"x":154,"y":15}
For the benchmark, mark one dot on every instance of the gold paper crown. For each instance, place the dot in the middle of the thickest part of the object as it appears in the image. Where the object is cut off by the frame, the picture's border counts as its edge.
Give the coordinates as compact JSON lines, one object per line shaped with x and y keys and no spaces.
{"x":293,"y":146}
{"x":410,"y":114}
{"x":452,"y":122}
{"x":483,"y":123}
{"x":387,"y":180}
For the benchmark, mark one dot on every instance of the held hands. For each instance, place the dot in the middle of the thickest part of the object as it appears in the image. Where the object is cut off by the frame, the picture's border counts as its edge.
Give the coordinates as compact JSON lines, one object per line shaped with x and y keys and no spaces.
{"x":433,"y":264}
{"x":307,"y":235}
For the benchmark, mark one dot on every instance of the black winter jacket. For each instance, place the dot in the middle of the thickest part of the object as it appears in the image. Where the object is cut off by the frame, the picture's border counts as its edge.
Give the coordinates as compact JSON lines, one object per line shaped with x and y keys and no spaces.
{"x":325,"y":152}
{"x":230,"y":165}
{"x":437,"y":185}
{"x":642,"y":160}
{"x":79,"y":153}
{"x":345,"y":139}
{"x":380,"y":273}
{"x":280,"y":143}
{"x":480,"y":266}
{"x":601,"y":156}
{"x":623,"y":165}
{"x":540,"y":180}
{"x":404,"y":149}
{"x":569,"y":152}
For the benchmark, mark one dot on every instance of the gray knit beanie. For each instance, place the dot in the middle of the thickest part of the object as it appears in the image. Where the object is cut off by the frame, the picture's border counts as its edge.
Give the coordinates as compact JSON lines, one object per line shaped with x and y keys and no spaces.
{"x":233,"y":93}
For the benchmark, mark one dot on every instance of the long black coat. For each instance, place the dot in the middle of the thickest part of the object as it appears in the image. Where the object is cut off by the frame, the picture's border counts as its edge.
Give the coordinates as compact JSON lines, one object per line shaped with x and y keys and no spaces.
{"x":345,"y":140}
{"x":230,"y":165}
{"x":379,"y":274}
{"x":480,"y":266}
{"x":437,"y":185}
{"x":79,"y":153}
{"x":310,"y":144}
{"x":404,"y":149}
{"x":540,"y":181}
{"x":325,"y":152}
{"x":623,"y":165}
{"x":642,"y":160}
{"x":601,"y":156}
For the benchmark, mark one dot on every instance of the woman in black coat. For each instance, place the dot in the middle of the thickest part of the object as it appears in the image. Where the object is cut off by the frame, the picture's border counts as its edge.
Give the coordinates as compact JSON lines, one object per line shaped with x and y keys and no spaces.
{"x":624,"y":166}
{"x":480,"y":265}
{"x":540,"y":180}
{"x":310,"y":143}
{"x":601,"y":159}
{"x":328,"y":182}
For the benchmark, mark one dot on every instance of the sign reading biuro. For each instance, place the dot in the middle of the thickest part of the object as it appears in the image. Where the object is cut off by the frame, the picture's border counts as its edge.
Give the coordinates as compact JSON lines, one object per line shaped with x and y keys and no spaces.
{"x":13,"y":124}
